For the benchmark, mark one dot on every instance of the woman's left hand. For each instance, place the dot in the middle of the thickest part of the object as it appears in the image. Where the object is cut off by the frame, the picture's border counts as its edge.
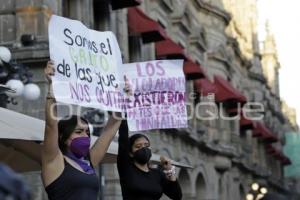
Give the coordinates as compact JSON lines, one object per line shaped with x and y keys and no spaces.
{"x":168,"y":168}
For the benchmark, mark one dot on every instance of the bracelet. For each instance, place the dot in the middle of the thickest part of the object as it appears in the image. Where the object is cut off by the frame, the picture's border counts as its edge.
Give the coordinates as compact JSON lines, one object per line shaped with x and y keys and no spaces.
{"x":171,"y":172}
{"x":50,"y":96}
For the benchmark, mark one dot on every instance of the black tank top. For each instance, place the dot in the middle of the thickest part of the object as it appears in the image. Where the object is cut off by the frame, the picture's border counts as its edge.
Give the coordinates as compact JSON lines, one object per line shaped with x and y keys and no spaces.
{"x":73,"y":184}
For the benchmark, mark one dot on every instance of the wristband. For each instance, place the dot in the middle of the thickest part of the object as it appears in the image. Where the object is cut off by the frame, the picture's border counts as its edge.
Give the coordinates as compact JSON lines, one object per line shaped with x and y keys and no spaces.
{"x":170,"y":172}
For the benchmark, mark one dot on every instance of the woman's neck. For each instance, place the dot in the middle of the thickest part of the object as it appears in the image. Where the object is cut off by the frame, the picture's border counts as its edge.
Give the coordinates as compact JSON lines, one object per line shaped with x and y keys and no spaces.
{"x":143,"y":167}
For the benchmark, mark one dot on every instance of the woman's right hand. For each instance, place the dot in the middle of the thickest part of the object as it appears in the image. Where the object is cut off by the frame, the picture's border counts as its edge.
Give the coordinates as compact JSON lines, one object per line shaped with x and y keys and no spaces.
{"x":49,"y":71}
{"x":127,"y":89}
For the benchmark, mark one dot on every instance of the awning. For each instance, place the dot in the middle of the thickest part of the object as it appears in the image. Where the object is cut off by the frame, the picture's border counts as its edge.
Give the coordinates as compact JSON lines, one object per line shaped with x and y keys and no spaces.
{"x":286,"y":161}
{"x":139,"y":23}
{"x":278,"y":155}
{"x":15,"y":125}
{"x":27,"y":133}
{"x":245,"y":124}
{"x":226,"y":93}
{"x":271,"y":150}
{"x":205,"y":86}
{"x":192,"y":70}
{"x":264,"y":133}
{"x":119,"y":4}
{"x":169,"y":49}
{"x":234,"y":111}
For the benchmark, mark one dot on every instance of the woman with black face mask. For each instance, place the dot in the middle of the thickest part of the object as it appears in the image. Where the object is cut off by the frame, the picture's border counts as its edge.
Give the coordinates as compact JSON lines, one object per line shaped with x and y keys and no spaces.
{"x":138,"y":180}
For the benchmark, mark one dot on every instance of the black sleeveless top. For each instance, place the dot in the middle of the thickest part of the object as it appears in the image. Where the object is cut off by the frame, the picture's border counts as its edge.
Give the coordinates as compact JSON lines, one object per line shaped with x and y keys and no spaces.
{"x":73,"y":184}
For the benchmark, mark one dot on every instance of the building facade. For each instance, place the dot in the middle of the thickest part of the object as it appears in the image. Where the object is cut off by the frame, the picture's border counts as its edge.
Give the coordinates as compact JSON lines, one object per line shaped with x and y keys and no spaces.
{"x":218,"y":36}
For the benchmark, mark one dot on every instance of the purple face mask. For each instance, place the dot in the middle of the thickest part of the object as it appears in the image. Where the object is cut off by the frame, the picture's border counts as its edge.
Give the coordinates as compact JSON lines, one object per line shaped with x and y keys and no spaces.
{"x":80,"y":146}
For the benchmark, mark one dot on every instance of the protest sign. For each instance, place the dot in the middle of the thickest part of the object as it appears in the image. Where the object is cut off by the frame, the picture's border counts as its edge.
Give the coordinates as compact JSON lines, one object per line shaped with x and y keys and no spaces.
{"x":158,"y":101}
{"x":86,"y":65}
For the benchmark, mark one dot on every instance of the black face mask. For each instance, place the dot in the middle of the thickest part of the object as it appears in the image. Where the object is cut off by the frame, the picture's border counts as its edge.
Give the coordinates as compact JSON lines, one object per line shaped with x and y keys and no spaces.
{"x":142,"y":156}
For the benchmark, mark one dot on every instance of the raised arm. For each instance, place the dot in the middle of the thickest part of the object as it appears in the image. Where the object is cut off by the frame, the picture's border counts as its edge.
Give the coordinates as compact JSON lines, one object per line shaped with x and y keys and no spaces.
{"x":50,"y":149}
{"x":123,"y":149}
{"x":100,"y":147}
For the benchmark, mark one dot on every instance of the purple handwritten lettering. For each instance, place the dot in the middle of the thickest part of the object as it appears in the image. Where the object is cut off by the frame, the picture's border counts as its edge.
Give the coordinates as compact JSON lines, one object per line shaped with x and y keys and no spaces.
{"x":80,"y":92}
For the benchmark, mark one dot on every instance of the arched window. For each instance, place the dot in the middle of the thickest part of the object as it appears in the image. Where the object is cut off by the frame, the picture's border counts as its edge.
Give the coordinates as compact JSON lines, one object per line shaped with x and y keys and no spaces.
{"x":185,"y":183}
{"x":200,"y":188}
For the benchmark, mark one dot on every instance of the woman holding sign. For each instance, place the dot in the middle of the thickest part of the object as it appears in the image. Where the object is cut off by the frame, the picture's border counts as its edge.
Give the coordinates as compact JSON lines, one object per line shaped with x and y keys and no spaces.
{"x":138,"y":180}
{"x":67,"y":162}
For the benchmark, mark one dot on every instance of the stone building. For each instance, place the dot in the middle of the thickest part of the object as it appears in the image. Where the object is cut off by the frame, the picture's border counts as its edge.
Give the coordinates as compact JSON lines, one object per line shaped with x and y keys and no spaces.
{"x":290,"y":113}
{"x":219,"y":38}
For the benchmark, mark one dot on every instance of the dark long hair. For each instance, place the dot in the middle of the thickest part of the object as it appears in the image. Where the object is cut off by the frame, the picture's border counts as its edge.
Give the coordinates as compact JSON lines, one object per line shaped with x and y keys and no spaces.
{"x":134,"y":137}
{"x":65,"y":128}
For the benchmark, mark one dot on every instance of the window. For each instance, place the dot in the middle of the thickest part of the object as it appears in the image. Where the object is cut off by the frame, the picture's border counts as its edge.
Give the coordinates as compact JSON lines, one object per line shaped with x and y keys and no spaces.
{"x":101,"y":15}
{"x":66,"y":8}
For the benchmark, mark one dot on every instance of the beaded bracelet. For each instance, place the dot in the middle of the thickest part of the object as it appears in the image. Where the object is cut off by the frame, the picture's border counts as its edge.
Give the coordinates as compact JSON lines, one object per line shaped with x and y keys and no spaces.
{"x":171,"y":171}
{"x":50,"y":96}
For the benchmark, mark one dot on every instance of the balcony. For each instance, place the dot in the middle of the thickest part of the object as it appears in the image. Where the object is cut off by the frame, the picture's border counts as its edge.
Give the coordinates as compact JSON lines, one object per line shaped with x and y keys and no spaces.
{"x":228,"y":150}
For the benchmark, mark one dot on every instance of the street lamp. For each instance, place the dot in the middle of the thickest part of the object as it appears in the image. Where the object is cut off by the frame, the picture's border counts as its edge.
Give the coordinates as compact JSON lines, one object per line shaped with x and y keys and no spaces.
{"x":263,"y":190}
{"x":17,"y":78}
{"x":256,"y":192}
{"x":249,"y":197}
{"x":254,"y":186}
{"x":5,"y":55}
{"x":16,"y":85}
{"x":31,"y":91}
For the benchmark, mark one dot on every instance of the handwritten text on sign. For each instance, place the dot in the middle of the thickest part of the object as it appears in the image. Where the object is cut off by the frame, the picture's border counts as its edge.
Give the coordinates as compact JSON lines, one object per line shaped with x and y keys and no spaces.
{"x":86,"y":64}
{"x":159,"y":95}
